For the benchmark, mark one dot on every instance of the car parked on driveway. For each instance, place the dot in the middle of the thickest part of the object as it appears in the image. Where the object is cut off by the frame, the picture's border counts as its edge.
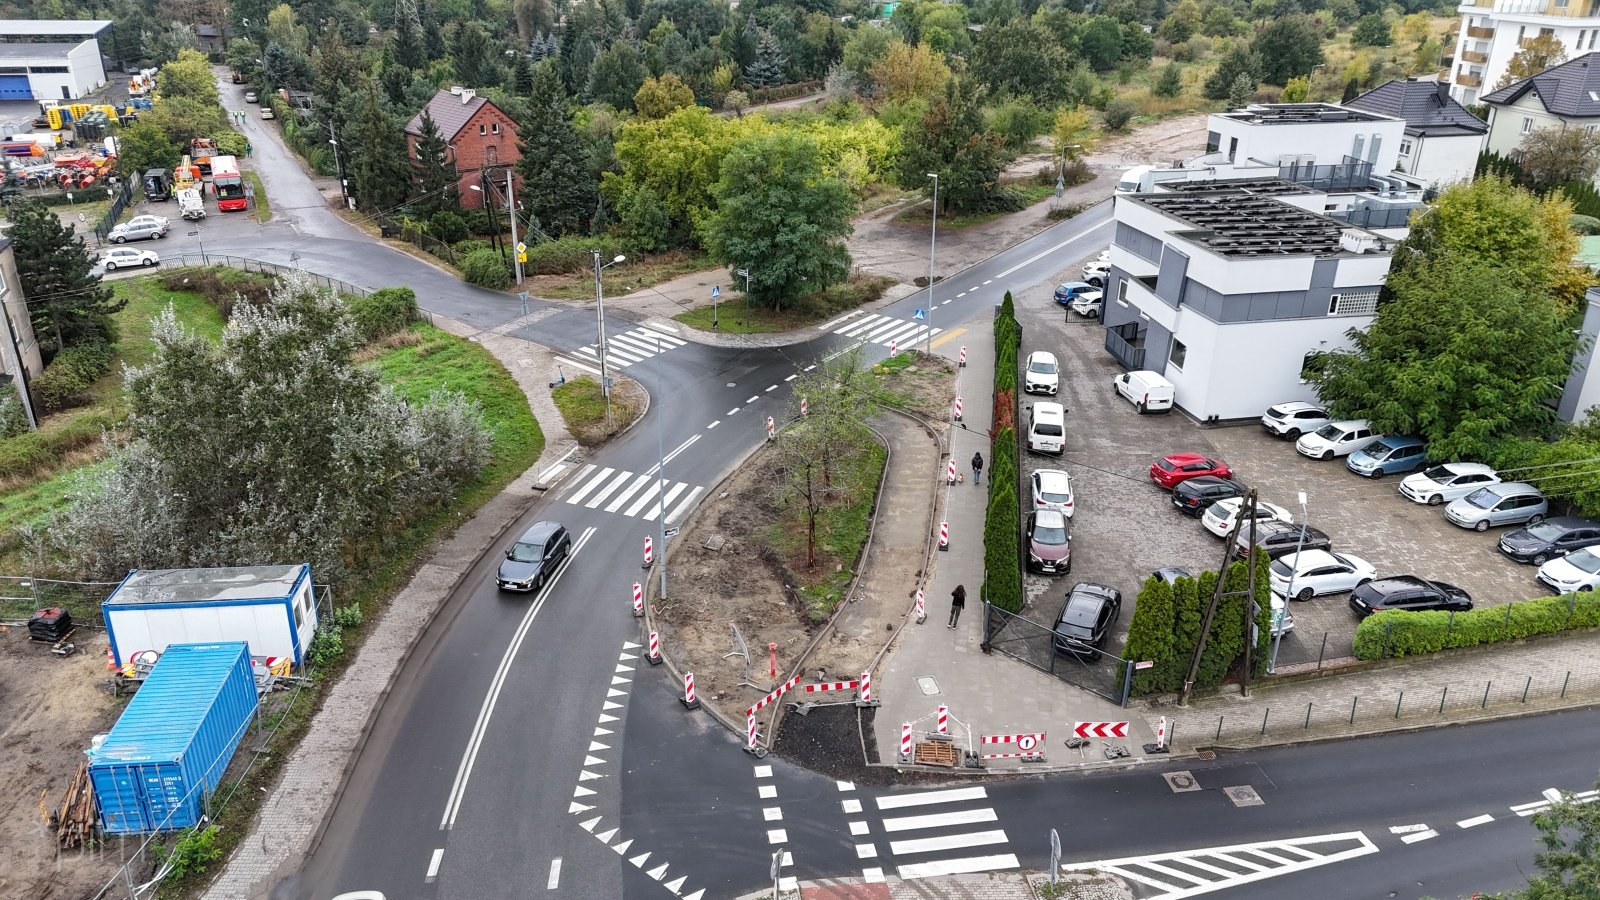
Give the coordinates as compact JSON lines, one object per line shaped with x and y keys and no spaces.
{"x":1171,"y":470}
{"x":1577,"y":571}
{"x":1301,"y":576}
{"x":1087,"y":616}
{"x":1223,"y":516}
{"x":534,"y":557}
{"x":1282,"y":538}
{"x":144,"y":231}
{"x":1335,"y":439}
{"x":1041,"y":375}
{"x":1388,"y":455}
{"x":1407,"y":592}
{"x":1047,"y":428}
{"x":1292,"y":419}
{"x":1049,"y":544}
{"x":147,"y":221}
{"x":1072,"y":290}
{"x":1052,"y":489}
{"x":1171,"y":574}
{"x":1552,"y":538}
{"x":1089,"y":304}
{"x":1146,"y":390}
{"x":1506,"y":503}
{"x":127,"y":258}
{"x":1446,"y":482}
{"x":1096,"y":271}
{"x":1195,"y":495}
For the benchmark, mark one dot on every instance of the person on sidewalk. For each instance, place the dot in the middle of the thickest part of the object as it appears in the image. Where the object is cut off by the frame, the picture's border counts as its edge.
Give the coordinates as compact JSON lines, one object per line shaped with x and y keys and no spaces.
{"x":977,"y":467}
{"x":958,"y":602}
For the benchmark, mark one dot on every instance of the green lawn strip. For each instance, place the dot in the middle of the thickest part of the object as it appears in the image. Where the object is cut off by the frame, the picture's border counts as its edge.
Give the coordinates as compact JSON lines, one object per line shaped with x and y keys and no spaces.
{"x":581,"y":402}
{"x":263,"y":208}
{"x":832,"y":300}
{"x":1032,"y":192}
{"x":630,"y":276}
{"x":841,"y":534}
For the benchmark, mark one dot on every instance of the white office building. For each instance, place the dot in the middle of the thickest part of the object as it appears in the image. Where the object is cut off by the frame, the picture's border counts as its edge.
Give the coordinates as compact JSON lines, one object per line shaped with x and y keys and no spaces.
{"x":1493,"y":31}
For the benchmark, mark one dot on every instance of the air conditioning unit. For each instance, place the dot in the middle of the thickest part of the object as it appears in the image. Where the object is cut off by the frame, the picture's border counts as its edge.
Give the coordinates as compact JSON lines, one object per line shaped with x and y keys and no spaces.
{"x":1359,"y":242}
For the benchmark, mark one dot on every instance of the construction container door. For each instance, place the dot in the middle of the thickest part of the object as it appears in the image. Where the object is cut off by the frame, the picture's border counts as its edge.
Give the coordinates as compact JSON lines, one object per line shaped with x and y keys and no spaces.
{"x":15,"y":87}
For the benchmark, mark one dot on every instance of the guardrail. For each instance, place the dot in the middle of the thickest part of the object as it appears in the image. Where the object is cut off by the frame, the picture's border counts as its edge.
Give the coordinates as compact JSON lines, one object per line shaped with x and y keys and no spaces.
{"x":244,"y":263}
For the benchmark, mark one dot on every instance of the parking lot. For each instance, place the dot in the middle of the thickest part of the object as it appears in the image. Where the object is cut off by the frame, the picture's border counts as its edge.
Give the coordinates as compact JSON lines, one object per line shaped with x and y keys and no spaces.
{"x":1124,"y":527}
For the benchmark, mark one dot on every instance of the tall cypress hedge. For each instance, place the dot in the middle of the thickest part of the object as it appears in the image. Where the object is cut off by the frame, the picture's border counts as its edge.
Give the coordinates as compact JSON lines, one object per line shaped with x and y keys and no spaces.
{"x":1002,"y":526}
{"x":1166,"y":626}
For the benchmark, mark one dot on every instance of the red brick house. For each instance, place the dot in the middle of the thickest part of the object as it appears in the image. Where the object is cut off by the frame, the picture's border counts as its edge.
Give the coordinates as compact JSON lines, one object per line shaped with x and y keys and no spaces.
{"x":479,"y":134}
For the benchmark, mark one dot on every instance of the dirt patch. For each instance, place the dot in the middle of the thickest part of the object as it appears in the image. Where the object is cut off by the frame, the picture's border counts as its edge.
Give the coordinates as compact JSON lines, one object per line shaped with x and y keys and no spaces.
{"x":1179,"y":137}
{"x":50,"y":707}
{"x":925,"y":385}
{"x":585,"y":412}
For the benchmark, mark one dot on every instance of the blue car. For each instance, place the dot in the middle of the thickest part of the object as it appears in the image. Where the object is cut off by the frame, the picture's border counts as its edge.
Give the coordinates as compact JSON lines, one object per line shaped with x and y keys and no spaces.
{"x":1387,"y":455}
{"x":1072,"y":290}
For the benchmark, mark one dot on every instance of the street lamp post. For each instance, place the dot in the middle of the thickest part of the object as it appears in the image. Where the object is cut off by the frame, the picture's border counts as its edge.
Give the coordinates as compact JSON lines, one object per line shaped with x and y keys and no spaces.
{"x":933,"y":243}
{"x":1294,"y":569}
{"x":600,"y":324}
{"x":661,"y":471}
{"x":338,"y":166}
{"x":745,"y":274}
{"x":511,"y":204}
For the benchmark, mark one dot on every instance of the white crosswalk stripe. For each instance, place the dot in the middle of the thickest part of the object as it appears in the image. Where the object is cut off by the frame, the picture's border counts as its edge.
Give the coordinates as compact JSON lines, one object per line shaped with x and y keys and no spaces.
{"x":630,"y":347}
{"x":881,"y":330}
{"x":934,"y":836}
{"x":1189,"y":873}
{"x":642,"y":497}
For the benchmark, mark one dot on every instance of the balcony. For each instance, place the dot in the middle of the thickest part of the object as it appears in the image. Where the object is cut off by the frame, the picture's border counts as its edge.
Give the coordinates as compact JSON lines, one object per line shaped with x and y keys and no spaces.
{"x":1471,"y":81}
{"x":1475,"y":31}
{"x":1473,"y":56}
{"x":1125,"y":342}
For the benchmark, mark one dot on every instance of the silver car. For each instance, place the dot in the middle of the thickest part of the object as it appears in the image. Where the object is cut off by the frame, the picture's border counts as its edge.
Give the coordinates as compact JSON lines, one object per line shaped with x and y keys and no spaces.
{"x":1510,"y":503}
{"x":142,"y":231}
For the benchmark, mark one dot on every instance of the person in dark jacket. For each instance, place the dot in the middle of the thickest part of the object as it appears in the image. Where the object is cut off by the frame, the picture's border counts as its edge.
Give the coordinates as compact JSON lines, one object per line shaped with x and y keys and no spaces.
{"x":977,"y":467}
{"x":958,"y":602}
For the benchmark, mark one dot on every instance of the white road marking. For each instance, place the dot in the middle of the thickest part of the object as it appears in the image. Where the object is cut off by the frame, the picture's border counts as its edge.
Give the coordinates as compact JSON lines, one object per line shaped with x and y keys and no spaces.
{"x":872,"y":876}
{"x":866,"y":851}
{"x":987,"y":283}
{"x":714,"y":424}
{"x":734,"y":410}
{"x":1475,"y":821}
{"x":851,"y":806}
{"x":777,"y":836}
{"x":1351,"y":844}
{"x":923,"y":798}
{"x":577,"y":365}
{"x":941,"y":867}
{"x":857,"y":829}
{"x":557,"y":465}
{"x":470,"y":755}
{"x":655,"y":511}
{"x":662,"y":327}
{"x":583,"y":491}
{"x":763,"y":771}
{"x":1420,"y":836}
{"x":678,"y":513}
{"x":433,"y":864}
{"x":770,"y":389}
{"x":960,"y":295}
{"x":792,"y":377}
{"x":940,"y":820}
{"x":767,"y":791}
{"x":947,"y":842}
{"x":1041,"y":255}
{"x":1406,"y":829}
{"x":639,"y":482}
{"x":753,"y":399}
{"x":809,"y":368}
{"x":682,"y":447}
{"x":772,"y":814}
{"x":599,"y":498}
{"x":554,"y":881}
{"x":651,"y":491}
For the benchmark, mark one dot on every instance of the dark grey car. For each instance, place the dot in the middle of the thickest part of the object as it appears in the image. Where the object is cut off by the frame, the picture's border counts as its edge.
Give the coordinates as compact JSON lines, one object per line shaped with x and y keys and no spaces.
{"x":1538,"y":544}
{"x":534,"y":557}
{"x":1090,"y":611}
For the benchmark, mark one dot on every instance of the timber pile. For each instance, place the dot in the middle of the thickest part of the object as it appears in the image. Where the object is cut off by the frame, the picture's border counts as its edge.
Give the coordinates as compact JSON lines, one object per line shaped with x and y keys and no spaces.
{"x":77,"y":817}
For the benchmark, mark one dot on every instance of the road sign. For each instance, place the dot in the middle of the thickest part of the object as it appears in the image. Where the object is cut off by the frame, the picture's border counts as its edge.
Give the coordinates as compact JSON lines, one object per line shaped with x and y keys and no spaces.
{"x":1100,"y":729}
{"x":1027,"y":742}
{"x":522,"y":248}
{"x":919,"y":315}
{"x":1144,"y":664}
{"x":716,"y":291}
{"x":522,"y":257}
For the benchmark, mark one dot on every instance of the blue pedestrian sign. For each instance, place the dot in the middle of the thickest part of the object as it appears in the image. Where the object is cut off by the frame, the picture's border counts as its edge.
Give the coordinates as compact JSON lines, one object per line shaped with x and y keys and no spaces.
{"x":919,"y":315}
{"x":716,"y":291}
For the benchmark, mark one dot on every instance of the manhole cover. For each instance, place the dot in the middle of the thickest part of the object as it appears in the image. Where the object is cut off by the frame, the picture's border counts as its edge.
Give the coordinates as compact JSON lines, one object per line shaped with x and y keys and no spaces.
{"x":1181,"y":782}
{"x":1243,"y":795}
{"x":928,"y":685}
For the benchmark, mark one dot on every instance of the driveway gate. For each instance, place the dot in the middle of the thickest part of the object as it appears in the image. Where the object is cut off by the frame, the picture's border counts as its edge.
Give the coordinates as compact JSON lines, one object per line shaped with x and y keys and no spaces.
{"x":1029,"y":642}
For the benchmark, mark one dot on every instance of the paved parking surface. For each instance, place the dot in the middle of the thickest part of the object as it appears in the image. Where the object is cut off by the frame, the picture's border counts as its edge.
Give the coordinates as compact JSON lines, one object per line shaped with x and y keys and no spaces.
{"x":1125,"y":527}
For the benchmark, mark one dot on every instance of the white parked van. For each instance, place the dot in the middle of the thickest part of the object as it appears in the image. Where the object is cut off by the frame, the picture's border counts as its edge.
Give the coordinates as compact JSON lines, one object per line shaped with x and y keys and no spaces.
{"x":1047,"y":428}
{"x":1146,"y":390}
{"x":191,"y":204}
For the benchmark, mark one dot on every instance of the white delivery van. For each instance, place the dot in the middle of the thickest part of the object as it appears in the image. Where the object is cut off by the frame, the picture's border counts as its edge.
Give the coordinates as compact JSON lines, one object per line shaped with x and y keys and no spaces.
{"x":1047,"y":428}
{"x":1146,"y":390}
{"x":191,"y":203}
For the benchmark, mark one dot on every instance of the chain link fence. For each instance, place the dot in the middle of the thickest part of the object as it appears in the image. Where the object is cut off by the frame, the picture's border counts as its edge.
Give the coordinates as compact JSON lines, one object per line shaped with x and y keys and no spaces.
{"x":193,"y":260}
{"x":119,"y":202}
{"x":1034,"y":644}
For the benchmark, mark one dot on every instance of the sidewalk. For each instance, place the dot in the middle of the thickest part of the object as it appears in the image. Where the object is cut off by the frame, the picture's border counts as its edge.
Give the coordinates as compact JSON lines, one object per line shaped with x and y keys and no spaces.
{"x":992,"y":886}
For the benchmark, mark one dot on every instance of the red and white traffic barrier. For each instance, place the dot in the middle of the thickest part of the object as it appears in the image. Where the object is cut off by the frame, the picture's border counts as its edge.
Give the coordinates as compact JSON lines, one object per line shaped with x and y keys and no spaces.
{"x":944,"y":719}
{"x":689,"y":700}
{"x":962,"y":363}
{"x":905,"y":742}
{"x":958,"y":409}
{"x":777,"y":692}
{"x":805,"y":408}
{"x":750,"y":739}
{"x":825,"y":687}
{"x":654,"y":656}
{"x":922,"y":607}
{"x":1100,"y":729}
{"x":944,"y":535}
{"x":649,"y":551}
{"x":638,"y":589}
{"x":864,"y":695}
{"x":894,"y":348}
{"x":772,"y":429}
{"x":1161,"y":735}
{"x":950,"y":472}
{"x":1028,"y":745}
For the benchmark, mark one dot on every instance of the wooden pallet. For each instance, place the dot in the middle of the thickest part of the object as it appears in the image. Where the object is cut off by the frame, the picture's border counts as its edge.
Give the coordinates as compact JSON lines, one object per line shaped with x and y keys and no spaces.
{"x":936,"y":753}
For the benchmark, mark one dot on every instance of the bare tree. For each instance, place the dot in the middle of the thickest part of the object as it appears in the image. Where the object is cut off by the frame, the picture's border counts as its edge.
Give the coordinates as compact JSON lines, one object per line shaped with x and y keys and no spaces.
{"x":1556,"y":155}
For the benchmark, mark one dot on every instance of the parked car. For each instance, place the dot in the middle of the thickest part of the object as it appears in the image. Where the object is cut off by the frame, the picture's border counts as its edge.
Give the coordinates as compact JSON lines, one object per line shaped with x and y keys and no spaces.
{"x":249,"y":96}
{"x":1087,"y":616}
{"x":127,"y":257}
{"x":1388,"y":455}
{"x":1146,"y":390}
{"x":1407,"y":592}
{"x":1335,"y":439}
{"x":1041,"y":375}
{"x":534,"y":557}
{"x":1506,"y":503}
{"x":1052,"y":489}
{"x":147,"y":231}
{"x":1195,"y":495}
{"x":1292,"y":419}
{"x":1552,"y":538}
{"x":1313,"y":572}
{"x":1223,"y":516}
{"x":1283,"y":539}
{"x":147,"y":221}
{"x":1049,"y":545}
{"x":1089,"y":304}
{"x":1174,"y":468}
{"x":1096,"y":271}
{"x":1171,"y":574}
{"x":1577,"y":571}
{"x":1072,"y":290}
{"x":1047,"y":428}
{"x":266,"y":113}
{"x":1447,"y":481}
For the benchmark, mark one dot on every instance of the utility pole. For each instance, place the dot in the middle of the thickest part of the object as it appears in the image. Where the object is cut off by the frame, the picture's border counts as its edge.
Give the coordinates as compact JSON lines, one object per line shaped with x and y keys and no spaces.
{"x":661,"y":473}
{"x":600,"y":325}
{"x":933,"y":243}
{"x":1288,"y":592}
{"x":746,"y":274}
{"x":338,"y":167}
{"x":1247,"y":509}
{"x":511,"y":204}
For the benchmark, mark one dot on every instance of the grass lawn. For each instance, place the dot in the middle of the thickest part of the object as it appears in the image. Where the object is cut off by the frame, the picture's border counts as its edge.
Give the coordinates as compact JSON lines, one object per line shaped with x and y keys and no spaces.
{"x":583,"y":407}
{"x":825,"y":304}
{"x":841,"y":533}
{"x":263,"y":208}
{"x":1031,"y":193}
{"x":623,"y":278}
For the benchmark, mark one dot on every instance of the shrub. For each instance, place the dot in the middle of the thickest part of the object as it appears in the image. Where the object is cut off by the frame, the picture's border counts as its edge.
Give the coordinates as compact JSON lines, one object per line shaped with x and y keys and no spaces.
{"x":569,"y":255}
{"x":384,"y":312}
{"x":222,"y":287}
{"x":232,"y":143}
{"x":487,"y":268}
{"x":1150,"y":637}
{"x":1401,"y":633}
{"x":327,"y":645}
{"x":447,"y":226}
{"x":471,"y":245}
{"x":193,"y":852}
{"x":1584,"y":224}
{"x":13,"y":418}
{"x":1118,"y":113}
{"x":347,"y":616}
{"x":65,"y":382}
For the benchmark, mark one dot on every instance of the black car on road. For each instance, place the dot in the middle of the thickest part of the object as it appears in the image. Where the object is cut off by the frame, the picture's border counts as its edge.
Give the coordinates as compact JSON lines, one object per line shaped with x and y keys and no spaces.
{"x":1542,"y":542}
{"x":1407,"y":592}
{"x":534,"y":557}
{"x":1087,"y":616}
{"x":1196,"y":495}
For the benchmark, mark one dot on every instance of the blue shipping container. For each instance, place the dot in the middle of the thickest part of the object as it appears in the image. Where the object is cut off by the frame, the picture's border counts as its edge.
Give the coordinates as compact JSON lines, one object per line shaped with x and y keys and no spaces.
{"x":171,"y":745}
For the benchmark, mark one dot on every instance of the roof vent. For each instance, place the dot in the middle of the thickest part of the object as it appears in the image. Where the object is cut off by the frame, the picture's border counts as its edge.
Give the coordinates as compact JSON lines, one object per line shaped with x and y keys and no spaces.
{"x":467,"y":94}
{"x":1357,"y":242}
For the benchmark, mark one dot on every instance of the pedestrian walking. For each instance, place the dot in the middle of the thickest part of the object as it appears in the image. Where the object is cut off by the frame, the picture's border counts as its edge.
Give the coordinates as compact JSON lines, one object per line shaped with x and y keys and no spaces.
{"x":977,"y":467}
{"x":958,"y":602}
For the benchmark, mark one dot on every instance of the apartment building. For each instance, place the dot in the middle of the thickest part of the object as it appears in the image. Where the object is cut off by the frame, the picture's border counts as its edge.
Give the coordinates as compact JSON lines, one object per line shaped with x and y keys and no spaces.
{"x":1442,"y":139}
{"x":1493,"y":31}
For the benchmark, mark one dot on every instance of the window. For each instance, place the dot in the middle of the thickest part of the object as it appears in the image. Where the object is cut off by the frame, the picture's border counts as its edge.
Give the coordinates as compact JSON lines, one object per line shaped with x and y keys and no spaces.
{"x":1179,"y":353}
{"x":48,"y":70}
{"x":1527,"y":125}
{"x":1589,"y":128}
{"x":1122,"y":292}
{"x":1592,"y":35}
{"x":1312,"y":365}
{"x":495,"y":127}
{"x":1353,"y":303}
{"x":482,"y":128}
{"x":1360,"y":145}
{"x":1405,"y":147}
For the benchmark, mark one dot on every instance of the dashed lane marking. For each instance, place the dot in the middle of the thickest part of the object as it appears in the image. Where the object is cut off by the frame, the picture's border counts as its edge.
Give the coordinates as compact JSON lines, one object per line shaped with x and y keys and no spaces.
{"x":1475,"y":821}
{"x":433,"y":864}
{"x":1420,"y":836}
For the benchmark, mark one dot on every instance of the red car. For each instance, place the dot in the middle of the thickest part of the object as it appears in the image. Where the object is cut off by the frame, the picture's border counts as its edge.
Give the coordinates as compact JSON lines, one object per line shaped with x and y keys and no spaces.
{"x":1168,"y":471}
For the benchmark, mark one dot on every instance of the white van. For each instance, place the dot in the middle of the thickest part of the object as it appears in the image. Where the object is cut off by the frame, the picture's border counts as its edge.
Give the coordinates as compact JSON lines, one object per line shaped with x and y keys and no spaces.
{"x":1146,"y":390}
{"x":1047,"y":428}
{"x":191,"y":204}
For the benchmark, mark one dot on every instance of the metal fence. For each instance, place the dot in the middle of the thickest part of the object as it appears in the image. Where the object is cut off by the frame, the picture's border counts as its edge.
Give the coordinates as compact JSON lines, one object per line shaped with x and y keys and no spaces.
{"x":21,"y":595}
{"x":1033,"y":644}
{"x":425,"y":242}
{"x":119,"y":202}
{"x":244,"y":263}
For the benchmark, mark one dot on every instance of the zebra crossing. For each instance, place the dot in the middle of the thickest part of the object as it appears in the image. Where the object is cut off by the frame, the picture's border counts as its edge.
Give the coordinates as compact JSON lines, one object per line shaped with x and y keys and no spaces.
{"x":629,"y":347}
{"x":1188,"y":873}
{"x":926,"y":834}
{"x":636,"y":495}
{"x":882,"y":330}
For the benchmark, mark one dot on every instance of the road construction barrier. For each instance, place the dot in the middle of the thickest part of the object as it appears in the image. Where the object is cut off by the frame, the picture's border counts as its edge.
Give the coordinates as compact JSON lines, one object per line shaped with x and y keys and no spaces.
{"x":772,"y":429}
{"x":750,"y":739}
{"x":649,"y":551}
{"x":940,"y":746}
{"x":1029,"y":746}
{"x":864,"y":695}
{"x":777,"y":692}
{"x":922,"y":607}
{"x":958,"y":409}
{"x":826,"y":687}
{"x":950,"y":471}
{"x":805,"y":408}
{"x":894,"y":348}
{"x":962,"y":363}
{"x":905,"y":742}
{"x":689,"y":700}
{"x":944,"y":719}
{"x":1160,"y":746}
{"x":638,"y":589}
{"x":654,"y":657}
{"x":944,"y":535}
{"x":1100,"y":729}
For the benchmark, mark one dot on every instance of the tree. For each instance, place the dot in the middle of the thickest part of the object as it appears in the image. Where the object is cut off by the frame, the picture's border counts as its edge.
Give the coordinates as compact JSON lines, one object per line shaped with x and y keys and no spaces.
{"x":865,"y":47}
{"x":1288,"y":46}
{"x":781,"y":217}
{"x":1182,"y":23}
{"x":769,"y":69}
{"x":1118,"y":113}
{"x":1240,"y":92}
{"x":1100,"y":43}
{"x":1170,"y":82}
{"x":659,"y":97}
{"x":435,"y":173}
{"x":1298,"y":90}
{"x":908,"y":73}
{"x":522,"y":75}
{"x":736,"y":102}
{"x":1372,"y":30}
{"x":1540,"y":52}
{"x":1072,"y":134}
{"x":1021,"y":59}
{"x":952,"y":139}
{"x":380,"y":173}
{"x":813,"y":448}
{"x":407,"y":47}
{"x":1556,"y":155}
{"x":471,"y":55}
{"x":143,"y":145}
{"x":1569,"y":865}
{"x":557,"y":187}
{"x":1241,"y":60}
{"x":339,"y":77}
{"x":66,"y":300}
{"x":617,"y":74}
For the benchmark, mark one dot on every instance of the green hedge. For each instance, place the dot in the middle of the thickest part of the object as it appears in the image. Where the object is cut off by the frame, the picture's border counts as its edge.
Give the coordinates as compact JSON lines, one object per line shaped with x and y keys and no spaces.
{"x":1401,"y":633}
{"x":384,"y":311}
{"x":1166,"y":626}
{"x":568,"y":255}
{"x":66,"y":381}
{"x":487,"y":268}
{"x":1002,"y":524}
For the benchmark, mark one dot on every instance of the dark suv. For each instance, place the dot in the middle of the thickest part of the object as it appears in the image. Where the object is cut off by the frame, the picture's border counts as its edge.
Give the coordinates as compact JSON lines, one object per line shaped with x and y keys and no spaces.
{"x":1090,"y":611}
{"x":1282,"y":538}
{"x":1196,"y":495}
{"x":1538,"y":544}
{"x":534,"y":557}
{"x":1407,"y":592}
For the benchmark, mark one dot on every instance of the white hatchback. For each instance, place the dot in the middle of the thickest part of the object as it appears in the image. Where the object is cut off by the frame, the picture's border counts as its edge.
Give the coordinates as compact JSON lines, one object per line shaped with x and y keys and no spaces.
{"x":1222,"y":517}
{"x":1292,"y":419}
{"x":1577,"y":571}
{"x":1052,"y":489}
{"x":1444,"y":483}
{"x":1041,"y":375}
{"x":1313,"y":572}
{"x":1336,"y":439}
{"x":127,"y":258}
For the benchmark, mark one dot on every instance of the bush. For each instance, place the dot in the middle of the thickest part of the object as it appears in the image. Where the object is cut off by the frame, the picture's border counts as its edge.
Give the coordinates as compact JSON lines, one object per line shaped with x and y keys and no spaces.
{"x":384,"y":312}
{"x":327,"y":645}
{"x":221,"y":286}
{"x":194,"y":852}
{"x":65,"y":382}
{"x":1401,"y":633}
{"x":487,"y":268}
{"x":13,"y":418}
{"x":232,"y":143}
{"x":1584,"y":224}
{"x":568,"y":255}
{"x":1118,"y":113}
{"x":470,"y":245}
{"x":447,"y":227}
